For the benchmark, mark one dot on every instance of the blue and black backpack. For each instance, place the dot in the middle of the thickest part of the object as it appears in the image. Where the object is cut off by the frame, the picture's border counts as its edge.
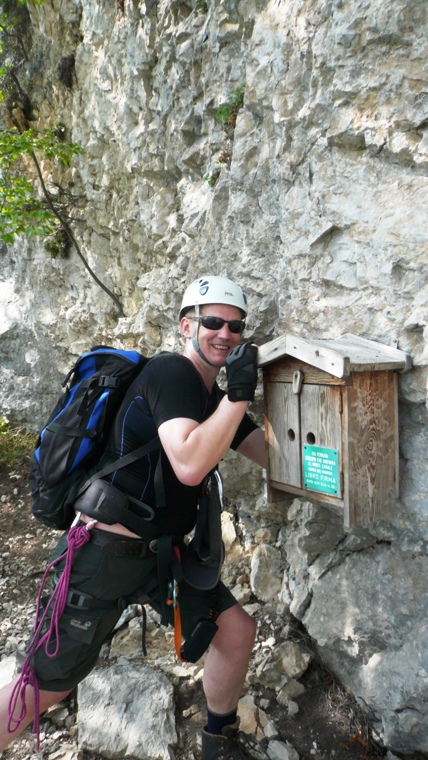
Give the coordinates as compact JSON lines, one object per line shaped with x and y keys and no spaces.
{"x":73,"y":439}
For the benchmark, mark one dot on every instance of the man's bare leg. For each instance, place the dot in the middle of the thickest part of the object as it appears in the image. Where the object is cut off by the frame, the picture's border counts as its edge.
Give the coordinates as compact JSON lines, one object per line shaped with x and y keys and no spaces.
{"x":46,"y":699}
{"x":227,"y":661}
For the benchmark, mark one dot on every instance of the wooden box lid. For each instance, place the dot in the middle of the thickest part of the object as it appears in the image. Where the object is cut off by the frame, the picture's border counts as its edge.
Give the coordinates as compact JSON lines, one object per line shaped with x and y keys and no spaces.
{"x":337,"y":356}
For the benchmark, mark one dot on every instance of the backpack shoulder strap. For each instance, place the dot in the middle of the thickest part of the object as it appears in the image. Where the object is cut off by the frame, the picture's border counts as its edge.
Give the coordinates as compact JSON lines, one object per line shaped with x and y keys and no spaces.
{"x":128,"y":459}
{"x":132,"y":457}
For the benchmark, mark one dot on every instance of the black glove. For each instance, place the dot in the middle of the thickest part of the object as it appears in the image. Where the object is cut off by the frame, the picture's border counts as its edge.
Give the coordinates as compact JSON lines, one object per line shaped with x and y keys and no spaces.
{"x":241,"y":372}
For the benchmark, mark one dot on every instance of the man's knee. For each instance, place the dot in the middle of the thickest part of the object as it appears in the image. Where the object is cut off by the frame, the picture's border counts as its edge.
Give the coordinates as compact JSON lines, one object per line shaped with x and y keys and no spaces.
{"x":49,"y":698}
{"x":236,"y":629}
{"x":250,"y":628}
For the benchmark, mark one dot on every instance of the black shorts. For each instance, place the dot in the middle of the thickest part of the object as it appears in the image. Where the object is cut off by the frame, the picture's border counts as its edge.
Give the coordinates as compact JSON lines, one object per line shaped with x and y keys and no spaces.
{"x":107,"y":579}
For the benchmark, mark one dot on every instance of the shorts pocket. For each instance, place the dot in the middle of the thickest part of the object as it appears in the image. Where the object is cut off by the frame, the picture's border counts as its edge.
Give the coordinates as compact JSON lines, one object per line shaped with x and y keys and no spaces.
{"x":105,"y":577}
{"x":87,"y":569}
{"x":81,"y":635}
{"x":79,"y":628}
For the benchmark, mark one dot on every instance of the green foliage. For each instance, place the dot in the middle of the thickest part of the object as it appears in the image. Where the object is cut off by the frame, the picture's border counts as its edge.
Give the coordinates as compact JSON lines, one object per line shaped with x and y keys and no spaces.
{"x":226,"y":113}
{"x":50,"y":143}
{"x":57,"y":245}
{"x":16,"y":444}
{"x":212,"y":177}
{"x":226,"y":116}
{"x":20,"y":210}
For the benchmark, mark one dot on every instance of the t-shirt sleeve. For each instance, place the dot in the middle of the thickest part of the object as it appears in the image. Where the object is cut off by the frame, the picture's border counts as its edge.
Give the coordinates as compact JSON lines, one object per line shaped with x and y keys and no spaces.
{"x":172,"y":389}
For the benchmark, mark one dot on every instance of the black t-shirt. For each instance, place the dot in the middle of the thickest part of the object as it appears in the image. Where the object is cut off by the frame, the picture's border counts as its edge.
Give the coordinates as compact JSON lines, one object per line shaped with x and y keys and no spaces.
{"x":168,"y":387}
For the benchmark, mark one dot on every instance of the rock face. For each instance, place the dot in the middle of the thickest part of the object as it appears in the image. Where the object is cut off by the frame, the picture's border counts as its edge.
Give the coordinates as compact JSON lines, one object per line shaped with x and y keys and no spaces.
{"x":127,"y":712}
{"x":314,"y":196}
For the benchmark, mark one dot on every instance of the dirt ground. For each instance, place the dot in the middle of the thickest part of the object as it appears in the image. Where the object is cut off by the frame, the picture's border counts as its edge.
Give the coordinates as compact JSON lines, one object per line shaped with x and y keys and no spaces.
{"x":328,"y":724}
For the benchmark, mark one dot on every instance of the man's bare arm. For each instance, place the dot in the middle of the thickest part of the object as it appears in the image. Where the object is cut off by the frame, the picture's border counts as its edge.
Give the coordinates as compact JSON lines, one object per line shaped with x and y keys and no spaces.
{"x":254,"y":447}
{"x":193,"y":448}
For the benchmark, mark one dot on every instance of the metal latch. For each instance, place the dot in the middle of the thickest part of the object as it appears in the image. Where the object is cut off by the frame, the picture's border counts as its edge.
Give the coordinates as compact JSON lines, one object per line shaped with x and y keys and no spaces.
{"x":298,"y":377}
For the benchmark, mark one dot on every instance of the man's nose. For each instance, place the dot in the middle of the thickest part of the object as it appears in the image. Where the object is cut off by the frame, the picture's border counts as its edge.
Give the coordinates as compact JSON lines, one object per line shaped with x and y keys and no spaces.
{"x":224,"y":332}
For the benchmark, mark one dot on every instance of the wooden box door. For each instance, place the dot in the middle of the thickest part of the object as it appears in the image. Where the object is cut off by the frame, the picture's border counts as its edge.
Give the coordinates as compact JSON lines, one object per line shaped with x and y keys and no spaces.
{"x":283,"y":433}
{"x":321,"y":438}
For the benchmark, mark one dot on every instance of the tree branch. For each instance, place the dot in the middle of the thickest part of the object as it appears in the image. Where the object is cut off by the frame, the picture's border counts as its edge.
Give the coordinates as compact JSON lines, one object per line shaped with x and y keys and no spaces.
{"x":66,"y":227}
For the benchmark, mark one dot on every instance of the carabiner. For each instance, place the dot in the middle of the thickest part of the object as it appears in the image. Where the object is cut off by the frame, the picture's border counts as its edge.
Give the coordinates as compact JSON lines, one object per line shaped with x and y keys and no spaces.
{"x":172,"y":592}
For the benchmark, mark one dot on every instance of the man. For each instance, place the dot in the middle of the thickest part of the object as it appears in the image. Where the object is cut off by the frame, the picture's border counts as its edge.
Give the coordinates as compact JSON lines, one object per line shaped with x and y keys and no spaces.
{"x":177,"y":398}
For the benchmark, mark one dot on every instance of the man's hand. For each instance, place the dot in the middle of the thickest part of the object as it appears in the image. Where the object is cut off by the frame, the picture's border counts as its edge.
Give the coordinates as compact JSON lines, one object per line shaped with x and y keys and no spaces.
{"x":241,"y":372}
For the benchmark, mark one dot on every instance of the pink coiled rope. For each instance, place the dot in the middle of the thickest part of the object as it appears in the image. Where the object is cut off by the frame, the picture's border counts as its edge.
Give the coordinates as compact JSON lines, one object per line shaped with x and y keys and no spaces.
{"x":77,"y":536}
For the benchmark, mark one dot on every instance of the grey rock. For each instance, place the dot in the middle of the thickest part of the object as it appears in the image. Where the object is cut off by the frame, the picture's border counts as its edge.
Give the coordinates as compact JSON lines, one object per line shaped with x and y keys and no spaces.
{"x":127,"y":711}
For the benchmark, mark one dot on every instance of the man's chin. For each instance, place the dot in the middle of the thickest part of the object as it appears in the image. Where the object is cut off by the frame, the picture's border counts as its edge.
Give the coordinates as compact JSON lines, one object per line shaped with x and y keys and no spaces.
{"x":217,"y":358}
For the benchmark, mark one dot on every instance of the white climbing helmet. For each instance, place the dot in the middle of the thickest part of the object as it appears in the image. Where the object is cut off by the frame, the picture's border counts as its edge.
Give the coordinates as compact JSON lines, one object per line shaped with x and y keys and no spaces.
{"x":213,"y":290}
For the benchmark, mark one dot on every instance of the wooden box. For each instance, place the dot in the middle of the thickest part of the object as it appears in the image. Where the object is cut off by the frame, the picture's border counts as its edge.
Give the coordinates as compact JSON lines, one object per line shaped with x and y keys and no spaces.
{"x":331,"y":421}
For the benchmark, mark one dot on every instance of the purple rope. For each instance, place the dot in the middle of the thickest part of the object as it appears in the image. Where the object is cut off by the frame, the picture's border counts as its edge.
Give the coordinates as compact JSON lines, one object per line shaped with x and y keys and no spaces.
{"x":77,"y":536}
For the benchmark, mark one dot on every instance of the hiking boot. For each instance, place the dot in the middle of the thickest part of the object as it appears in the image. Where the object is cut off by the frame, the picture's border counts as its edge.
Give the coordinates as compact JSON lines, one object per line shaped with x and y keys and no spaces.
{"x":224,"y":747}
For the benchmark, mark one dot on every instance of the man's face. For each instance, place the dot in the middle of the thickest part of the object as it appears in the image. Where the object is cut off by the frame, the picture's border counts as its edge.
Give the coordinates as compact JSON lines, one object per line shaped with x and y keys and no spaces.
{"x":216,"y":344}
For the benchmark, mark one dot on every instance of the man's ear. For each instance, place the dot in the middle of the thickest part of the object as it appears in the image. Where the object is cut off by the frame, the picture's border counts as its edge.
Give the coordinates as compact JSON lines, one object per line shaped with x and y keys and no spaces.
{"x":186,"y":327}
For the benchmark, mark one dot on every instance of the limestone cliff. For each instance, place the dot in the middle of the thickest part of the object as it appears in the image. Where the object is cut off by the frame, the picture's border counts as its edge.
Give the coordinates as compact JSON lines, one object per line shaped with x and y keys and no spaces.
{"x":313,"y":196}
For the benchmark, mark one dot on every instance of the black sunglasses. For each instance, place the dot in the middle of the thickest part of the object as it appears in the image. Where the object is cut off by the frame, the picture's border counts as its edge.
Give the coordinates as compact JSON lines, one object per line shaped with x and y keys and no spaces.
{"x":236,"y":326}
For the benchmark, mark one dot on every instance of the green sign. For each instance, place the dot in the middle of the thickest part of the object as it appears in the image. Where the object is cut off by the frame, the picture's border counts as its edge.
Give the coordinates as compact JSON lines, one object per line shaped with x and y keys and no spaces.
{"x":321,"y":469}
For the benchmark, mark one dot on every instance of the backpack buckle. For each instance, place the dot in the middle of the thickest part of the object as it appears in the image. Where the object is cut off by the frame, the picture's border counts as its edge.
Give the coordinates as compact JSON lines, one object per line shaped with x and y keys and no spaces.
{"x":108,"y":382}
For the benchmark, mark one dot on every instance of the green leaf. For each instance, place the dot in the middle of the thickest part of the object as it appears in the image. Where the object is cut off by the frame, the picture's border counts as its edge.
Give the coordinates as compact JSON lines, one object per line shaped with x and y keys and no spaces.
{"x":21,"y":209}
